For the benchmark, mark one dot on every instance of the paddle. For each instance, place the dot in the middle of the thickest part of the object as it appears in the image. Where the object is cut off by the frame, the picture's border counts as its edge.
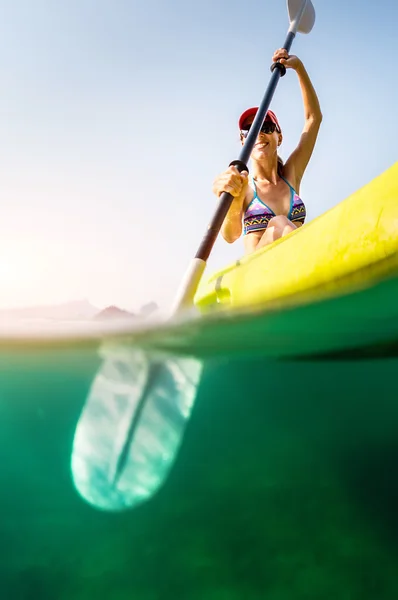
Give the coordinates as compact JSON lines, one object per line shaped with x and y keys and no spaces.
{"x":133,"y":422}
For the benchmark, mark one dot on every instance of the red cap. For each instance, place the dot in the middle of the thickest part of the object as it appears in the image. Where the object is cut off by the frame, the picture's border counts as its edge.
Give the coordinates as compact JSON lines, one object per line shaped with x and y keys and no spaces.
{"x":250,"y":112}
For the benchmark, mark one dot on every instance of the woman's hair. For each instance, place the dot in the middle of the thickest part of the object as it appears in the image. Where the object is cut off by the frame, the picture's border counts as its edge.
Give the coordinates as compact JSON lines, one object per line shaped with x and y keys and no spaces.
{"x":280,"y":166}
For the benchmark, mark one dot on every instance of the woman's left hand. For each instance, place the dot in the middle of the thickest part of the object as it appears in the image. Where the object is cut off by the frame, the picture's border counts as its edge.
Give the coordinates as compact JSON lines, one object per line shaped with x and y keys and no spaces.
{"x":290,"y":61}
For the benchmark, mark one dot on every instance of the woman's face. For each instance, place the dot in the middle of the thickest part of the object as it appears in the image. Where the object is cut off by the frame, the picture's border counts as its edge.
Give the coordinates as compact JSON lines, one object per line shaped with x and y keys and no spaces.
{"x":266,"y":144}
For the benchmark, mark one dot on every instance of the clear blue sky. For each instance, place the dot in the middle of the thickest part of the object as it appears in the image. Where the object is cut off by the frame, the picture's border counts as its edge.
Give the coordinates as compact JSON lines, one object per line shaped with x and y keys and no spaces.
{"x":115,"y":118}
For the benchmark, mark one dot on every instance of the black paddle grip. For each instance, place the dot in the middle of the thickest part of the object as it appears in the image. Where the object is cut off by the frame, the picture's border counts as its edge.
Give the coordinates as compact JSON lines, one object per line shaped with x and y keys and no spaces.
{"x":240,"y":165}
{"x":280,"y":66}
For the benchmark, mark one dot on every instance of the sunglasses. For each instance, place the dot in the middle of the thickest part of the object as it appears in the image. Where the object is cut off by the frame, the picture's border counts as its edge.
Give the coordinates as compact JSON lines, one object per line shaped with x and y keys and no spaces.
{"x":268,"y":127}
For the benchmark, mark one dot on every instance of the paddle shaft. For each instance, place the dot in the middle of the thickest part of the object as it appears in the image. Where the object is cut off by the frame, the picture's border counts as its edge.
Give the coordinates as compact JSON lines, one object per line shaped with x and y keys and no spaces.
{"x":226,"y":199}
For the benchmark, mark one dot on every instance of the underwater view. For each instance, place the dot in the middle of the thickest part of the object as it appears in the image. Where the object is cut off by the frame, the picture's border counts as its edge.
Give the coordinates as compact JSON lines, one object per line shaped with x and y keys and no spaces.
{"x":285,"y":487}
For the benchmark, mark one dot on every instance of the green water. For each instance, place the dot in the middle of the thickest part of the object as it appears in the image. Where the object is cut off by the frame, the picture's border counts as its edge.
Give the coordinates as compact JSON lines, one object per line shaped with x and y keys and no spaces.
{"x":286,"y":488}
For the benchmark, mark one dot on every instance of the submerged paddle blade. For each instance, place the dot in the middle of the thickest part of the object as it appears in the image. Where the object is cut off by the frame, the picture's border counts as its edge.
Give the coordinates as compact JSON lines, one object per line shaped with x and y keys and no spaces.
{"x":307,"y":20}
{"x":131,"y":426}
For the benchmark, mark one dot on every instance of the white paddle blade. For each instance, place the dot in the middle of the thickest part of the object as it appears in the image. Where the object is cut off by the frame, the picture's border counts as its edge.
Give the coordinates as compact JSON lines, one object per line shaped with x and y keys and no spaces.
{"x":305,"y":22}
{"x":131,"y":427}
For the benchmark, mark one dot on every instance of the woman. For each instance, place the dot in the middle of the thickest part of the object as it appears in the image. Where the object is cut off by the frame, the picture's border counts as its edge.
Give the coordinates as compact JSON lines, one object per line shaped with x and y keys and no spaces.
{"x":269,"y":205}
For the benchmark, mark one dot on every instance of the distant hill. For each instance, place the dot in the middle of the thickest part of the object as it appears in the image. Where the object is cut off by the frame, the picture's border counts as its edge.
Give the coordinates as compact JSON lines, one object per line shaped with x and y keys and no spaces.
{"x":148,"y":309}
{"x":77,"y":310}
{"x":113,"y":312}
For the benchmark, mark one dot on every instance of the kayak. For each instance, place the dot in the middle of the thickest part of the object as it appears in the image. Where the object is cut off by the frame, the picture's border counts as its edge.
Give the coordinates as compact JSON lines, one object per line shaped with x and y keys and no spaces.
{"x":284,"y":484}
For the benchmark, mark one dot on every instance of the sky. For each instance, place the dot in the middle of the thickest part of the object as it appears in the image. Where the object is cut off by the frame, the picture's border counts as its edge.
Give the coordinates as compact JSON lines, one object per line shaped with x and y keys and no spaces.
{"x":115,"y":118}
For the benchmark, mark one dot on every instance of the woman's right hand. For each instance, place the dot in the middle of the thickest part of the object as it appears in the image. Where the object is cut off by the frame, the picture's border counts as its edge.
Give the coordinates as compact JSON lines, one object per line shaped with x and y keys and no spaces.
{"x":233,"y":182}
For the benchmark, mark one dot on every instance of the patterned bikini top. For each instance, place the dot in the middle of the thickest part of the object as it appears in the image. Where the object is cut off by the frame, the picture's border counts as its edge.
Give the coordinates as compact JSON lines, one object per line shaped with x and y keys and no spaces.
{"x":258,"y":214}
